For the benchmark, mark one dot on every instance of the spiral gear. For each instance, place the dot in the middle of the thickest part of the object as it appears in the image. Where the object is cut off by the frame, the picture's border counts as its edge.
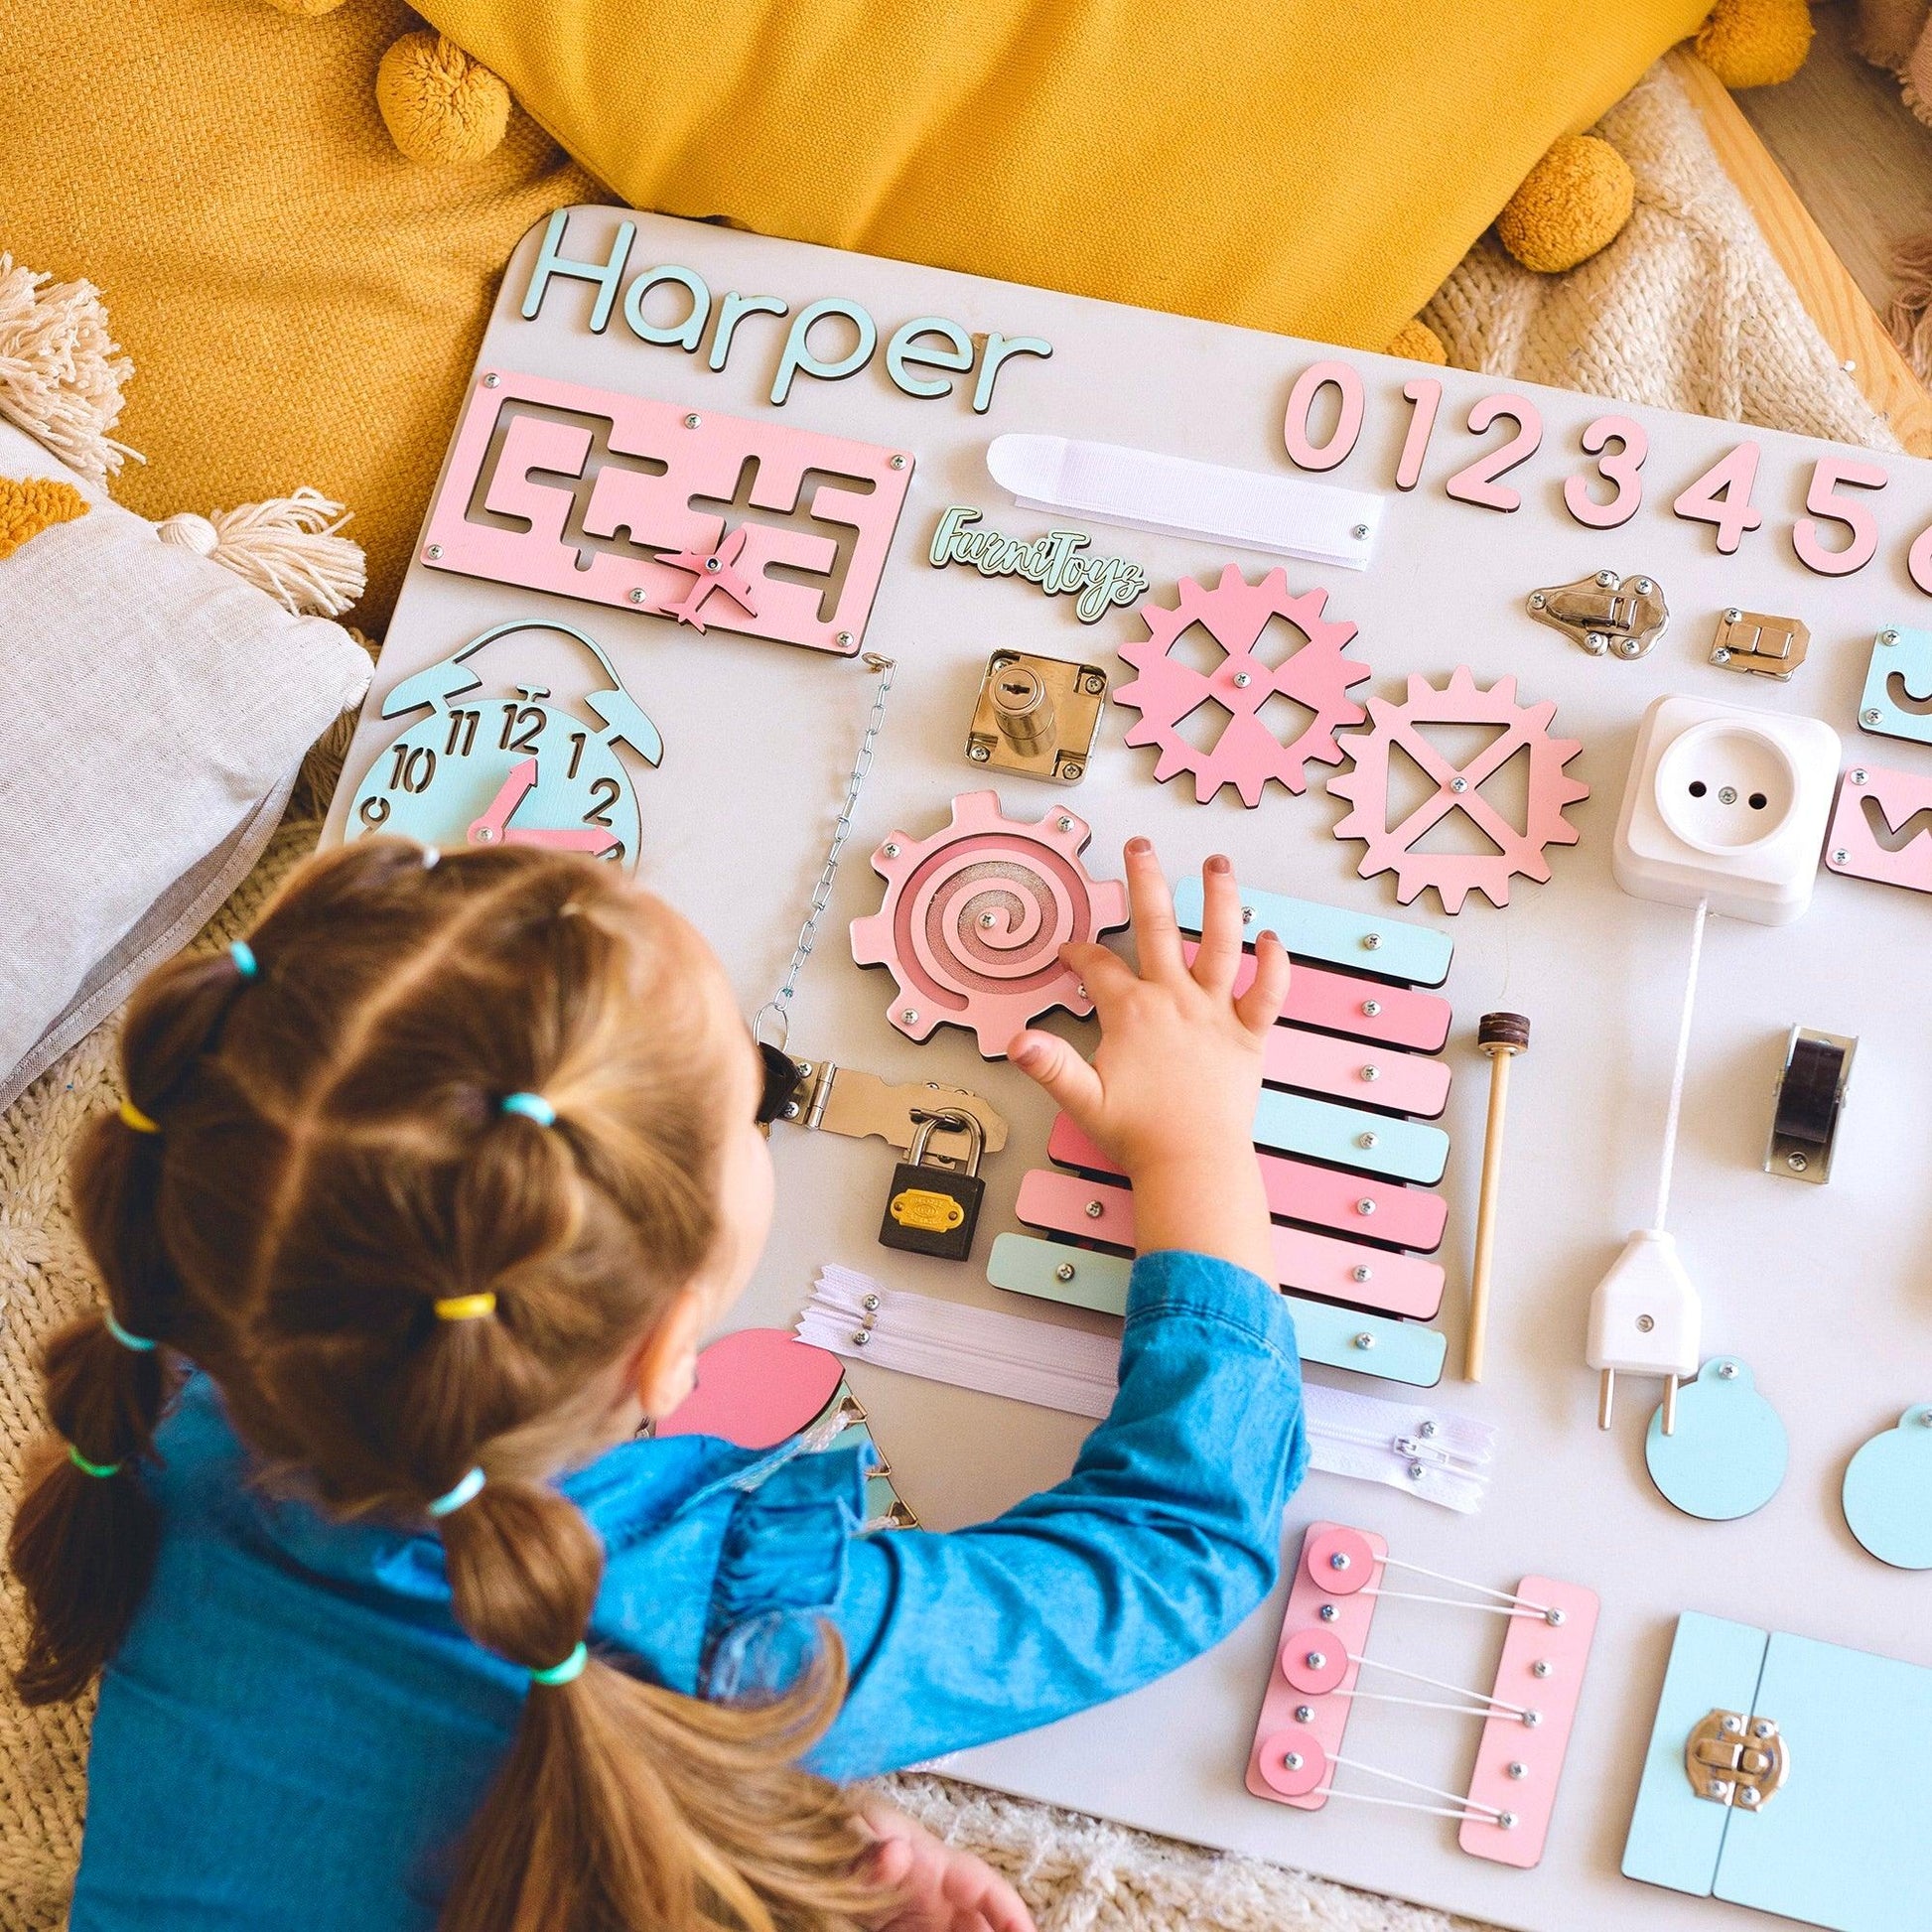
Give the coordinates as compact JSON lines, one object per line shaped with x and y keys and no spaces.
{"x":975,"y":917}
{"x":1455,"y":874}
{"x":1247,"y":753}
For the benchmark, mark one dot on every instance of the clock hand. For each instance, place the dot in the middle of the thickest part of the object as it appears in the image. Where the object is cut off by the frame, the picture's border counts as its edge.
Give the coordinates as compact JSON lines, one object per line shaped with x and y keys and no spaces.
{"x":490,"y":828}
{"x":593,"y":839}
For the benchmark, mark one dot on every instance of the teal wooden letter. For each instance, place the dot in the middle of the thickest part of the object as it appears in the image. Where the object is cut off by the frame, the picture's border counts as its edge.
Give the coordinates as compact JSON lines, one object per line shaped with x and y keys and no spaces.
{"x":605,"y":274}
{"x":998,"y":349}
{"x":798,"y":356}
{"x":958,"y":355}
{"x":732,"y":311}
{"x":687,"y":332}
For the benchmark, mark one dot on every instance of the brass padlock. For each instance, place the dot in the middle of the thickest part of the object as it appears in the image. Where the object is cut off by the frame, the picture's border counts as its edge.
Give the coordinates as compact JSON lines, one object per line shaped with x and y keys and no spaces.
{"x":934,"y":1210}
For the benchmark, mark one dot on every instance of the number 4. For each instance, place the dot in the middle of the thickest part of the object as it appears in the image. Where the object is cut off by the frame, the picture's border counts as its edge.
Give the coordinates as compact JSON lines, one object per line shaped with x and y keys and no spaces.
{"x":1722,"y":496}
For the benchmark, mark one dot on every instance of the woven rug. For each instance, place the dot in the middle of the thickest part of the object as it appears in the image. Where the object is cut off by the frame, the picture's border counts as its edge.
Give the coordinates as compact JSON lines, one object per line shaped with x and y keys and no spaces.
{"x":1687,"y":310}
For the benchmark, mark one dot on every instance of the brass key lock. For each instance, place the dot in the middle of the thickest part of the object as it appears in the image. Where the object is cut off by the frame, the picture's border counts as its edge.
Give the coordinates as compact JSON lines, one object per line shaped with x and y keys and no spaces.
{"x":935,"y":1209}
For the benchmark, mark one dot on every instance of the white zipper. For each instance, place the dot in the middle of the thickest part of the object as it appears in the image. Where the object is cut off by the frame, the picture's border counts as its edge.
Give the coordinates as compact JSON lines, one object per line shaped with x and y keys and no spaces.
{"x":1426,"y":1450}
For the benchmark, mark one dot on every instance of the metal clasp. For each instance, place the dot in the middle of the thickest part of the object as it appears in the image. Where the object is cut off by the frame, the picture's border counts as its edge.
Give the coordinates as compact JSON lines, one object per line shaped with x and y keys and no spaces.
{"x":1732,"y":1758}
{"x":1598,"y":614}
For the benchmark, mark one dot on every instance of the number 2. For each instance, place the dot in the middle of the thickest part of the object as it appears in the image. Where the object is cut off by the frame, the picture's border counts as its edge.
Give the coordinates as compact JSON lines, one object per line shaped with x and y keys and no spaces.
{"x":1478,"y":482}
{"x":605,"y":792}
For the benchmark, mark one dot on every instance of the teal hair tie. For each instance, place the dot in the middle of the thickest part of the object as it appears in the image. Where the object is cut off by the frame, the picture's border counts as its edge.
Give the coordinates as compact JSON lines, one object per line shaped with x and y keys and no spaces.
{"x":567,"y":1672}
{"x":532,"y":1106}
{"x":452,"y":1499}
{"x":88,"y":1468}
{"x":243,"y":955}
{"x":139,"y":1343}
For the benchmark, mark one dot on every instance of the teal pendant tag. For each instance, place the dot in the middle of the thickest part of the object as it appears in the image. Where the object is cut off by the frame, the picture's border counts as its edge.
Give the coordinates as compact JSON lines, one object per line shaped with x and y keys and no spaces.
{"x":1889,"y":1492}
{"x":1728,"y":1455}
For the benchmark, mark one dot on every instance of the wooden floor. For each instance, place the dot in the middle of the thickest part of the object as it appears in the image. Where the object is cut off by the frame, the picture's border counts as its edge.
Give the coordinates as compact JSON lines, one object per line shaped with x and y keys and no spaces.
{"x":1813,"y":130}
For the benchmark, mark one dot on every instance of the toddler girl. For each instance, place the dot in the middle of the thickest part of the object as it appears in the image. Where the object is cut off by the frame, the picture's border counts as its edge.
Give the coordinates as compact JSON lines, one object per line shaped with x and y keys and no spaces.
{"x":418,"y":1208}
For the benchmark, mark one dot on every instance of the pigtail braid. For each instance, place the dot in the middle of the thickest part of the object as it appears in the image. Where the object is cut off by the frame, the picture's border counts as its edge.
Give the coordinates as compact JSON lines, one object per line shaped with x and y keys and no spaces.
{"x":622,"y":1804}
{"x":83,"y":1540}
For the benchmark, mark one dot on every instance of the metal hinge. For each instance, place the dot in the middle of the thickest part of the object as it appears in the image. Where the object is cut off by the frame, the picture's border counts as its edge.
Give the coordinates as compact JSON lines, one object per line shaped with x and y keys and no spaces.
{"x":846,"y":1100}
{"x":1732,"y":1758}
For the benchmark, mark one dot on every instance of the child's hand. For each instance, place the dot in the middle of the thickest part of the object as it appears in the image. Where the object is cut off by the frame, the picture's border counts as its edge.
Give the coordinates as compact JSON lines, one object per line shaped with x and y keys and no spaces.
{"x":1172,"y":1091}
{"x":934,"y":1888}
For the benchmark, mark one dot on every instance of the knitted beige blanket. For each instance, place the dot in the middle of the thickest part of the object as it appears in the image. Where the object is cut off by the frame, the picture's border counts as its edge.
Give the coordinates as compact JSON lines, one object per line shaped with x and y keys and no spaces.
{"x":1686,"y":310}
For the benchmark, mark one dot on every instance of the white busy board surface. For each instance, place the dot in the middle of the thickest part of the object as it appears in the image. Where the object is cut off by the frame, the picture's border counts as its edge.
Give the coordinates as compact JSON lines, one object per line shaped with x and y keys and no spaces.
{"x":1825,"y":1292}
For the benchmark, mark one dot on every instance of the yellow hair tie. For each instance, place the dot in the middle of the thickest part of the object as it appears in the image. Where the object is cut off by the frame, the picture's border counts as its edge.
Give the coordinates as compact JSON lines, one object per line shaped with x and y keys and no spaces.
{"x":466,"y":1307}
{"x":136,"y":1119}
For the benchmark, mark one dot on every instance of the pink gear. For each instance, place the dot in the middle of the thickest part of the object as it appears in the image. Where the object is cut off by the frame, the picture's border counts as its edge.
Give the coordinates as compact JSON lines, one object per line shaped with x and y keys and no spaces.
{"x":1455,"y":874}
{"x":975,"y":917}
{"x":1247,"y":753}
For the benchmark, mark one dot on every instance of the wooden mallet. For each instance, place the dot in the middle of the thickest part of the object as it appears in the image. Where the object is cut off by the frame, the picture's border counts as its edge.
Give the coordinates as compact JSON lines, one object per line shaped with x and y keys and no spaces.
{"x":1502,"y":1035}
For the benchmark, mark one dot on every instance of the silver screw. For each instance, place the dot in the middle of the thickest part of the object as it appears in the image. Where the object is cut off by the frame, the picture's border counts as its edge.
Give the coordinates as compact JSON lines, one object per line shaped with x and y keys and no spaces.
{"x":1362,"y":1274}
{"x":1540,"y":1668}
{"x":1859,"y":775}
{"x":1629,"y":647}
{"x":1365,"y":1339}
{"x":1293,"y":1760}
{"x":1554,"y":1619}
{"x":1531,"y":1719}
{"x":1606,"y":578}
{"x":1095,"y":1209}
{"x":1371,"y":1073}
{"x":1093,"y":684}
{"x":859,"y":1337}
{"x":979,"y":754}
{"x":492,"y":382}
{"x":1733,"y":615}
{"x":1506,"y":1821}
{"x":1646,"y":1323}
{"x":1062,"y":823}
{"x":1764,"y":1727}
{"x":1428,"y":1428}
{"x":692,"y":422}
{"x":1071,"y":769}
{"x":1595,"y":643}
{"x":1458,"y":784}
{"x":1797,"y":1163}
{"x":897,"y":463}
{"x":1717,"y":1788}
{"x":1840,"y":857}
{"x":890,"y":848}
{"x":1360,"y":533}
{"x":1726,"y":794}
{"x":1747,"y":1797}
{"x":1519,"y":1770}
{"x":1415,"y":1471}
{"x":1888,"y":636}
{"x":1064,"y":1272}
{"x":1317,"y":1660}
{"x":1731,"y":1725}
{"x":1645,"y":585}
{"x":1870,"y":716}
{"x":869,"y":1302}
{"x":844,"y":640}
{"x":910,"y":1015}
{"x":432,"y":552}
{"x":1537,"y":600}
{"x":1366,"y":1205}
{"x":989,"y":920}
{"x":638,"y":596}
{"x":1372,"y":942}
{"x":1247,"y":916}
{"x":711,"y":564}
{"x":1367,"y":1140}
{"x":1925,"y":1418}
{"x":1720,"y":655}
{"x":1728,"y":1370}
{"x":1304,"y":1713}
{"x":1371,"y":1008}
{"x":792,"y":1110}
{"x":1339,"y":1561}
{"x":1328,"y":1614}
{"x":1242,"y":680}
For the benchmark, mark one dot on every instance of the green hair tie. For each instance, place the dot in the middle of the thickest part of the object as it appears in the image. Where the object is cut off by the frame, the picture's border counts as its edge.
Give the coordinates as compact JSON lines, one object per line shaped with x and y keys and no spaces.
{"x":88,"y":1468}
{"x":567,"y":1672}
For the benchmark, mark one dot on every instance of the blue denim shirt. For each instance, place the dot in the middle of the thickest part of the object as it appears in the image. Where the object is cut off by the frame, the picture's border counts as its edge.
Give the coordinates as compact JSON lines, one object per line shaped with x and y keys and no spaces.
{"x":296,"y":1731}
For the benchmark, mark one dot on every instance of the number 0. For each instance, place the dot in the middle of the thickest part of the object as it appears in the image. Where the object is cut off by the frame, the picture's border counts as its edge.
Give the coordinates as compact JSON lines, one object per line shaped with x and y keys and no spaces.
{"x":1302,"y":452}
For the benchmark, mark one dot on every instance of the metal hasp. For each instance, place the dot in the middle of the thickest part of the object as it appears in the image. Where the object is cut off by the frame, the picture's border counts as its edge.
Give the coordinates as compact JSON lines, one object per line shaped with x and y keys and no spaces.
{"x":1598,"y":614}
{"x":1736,"y":1759}
{"x":1766,"y":646}
{"x":1810,"y":1094}
{"x":1037,"y":716}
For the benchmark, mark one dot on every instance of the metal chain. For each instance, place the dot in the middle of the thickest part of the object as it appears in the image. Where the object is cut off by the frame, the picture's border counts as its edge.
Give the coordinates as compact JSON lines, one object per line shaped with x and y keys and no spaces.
{"x":778,"y":1009}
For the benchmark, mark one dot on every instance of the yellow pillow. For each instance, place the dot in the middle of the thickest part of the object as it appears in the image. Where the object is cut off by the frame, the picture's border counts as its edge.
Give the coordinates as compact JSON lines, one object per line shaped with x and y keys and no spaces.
{"x":301,"y":303}
{"x":1301,"y":166}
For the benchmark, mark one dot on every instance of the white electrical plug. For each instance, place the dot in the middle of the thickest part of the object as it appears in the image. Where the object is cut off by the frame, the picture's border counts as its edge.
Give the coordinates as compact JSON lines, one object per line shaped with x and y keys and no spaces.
{"x":1645,"y":1318}
{"x":1727,"y":806}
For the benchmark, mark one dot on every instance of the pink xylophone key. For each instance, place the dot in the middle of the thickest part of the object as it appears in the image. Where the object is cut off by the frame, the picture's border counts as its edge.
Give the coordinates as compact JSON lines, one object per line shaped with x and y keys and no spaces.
{"x":1347,"y":1070}
{"x":1298,"y":1190}
{"x":1309,"y":1264}
{"x":1340,"y":1002}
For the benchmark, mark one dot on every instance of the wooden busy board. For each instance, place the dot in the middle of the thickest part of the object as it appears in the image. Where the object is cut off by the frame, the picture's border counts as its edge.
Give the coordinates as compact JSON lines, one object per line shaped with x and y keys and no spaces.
{"x":1825,"y":1292}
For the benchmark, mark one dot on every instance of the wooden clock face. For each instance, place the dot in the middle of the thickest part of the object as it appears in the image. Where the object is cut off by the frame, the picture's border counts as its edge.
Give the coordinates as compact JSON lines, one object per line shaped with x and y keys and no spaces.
{"x":447,"y":770}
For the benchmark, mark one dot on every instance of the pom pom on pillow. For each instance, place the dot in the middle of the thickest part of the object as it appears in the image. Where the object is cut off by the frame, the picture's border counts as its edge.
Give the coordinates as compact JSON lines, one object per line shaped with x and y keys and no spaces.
{"x":439,"y":105}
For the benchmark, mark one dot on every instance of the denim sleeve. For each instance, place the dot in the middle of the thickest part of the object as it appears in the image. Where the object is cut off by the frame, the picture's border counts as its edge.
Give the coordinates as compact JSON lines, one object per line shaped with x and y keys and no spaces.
{"x":1166,"y":1534}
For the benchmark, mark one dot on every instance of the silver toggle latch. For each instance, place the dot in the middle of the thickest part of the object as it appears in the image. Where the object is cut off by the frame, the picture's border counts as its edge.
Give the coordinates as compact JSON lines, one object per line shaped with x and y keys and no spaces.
{"x":1600,"y":613}
{"x":1736,"y":1759}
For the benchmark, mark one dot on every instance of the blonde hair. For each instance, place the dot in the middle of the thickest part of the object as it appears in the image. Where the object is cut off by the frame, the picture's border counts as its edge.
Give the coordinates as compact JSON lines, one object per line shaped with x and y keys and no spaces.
{"x":332,"y":1159}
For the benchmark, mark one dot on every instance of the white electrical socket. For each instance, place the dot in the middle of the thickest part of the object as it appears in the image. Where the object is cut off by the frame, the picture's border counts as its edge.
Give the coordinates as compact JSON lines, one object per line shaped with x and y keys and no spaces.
{"x":1727,"y":805}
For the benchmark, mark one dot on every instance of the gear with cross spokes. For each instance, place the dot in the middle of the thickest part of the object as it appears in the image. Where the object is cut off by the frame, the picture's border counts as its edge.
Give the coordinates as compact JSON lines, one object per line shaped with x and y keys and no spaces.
{"x":1455,"y":874}
{"x":1247,"y":753}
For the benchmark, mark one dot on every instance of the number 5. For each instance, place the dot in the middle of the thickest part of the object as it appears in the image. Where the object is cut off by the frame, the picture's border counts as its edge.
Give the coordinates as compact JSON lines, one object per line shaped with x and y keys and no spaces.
{"x":1828,"y":476}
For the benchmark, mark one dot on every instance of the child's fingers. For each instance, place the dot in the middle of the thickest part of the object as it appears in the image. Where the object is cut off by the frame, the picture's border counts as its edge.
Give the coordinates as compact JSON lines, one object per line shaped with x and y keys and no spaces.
{"x":1156,"y":934}
{"x":1105,"y":975}
{"x":1218,"y":955}
{"x":1070,"y":1083}
{"x":1261,"y":1006}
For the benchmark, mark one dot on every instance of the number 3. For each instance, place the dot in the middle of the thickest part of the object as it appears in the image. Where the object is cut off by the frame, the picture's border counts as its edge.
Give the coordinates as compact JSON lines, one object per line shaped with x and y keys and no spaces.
{"x":1620,"y":469}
